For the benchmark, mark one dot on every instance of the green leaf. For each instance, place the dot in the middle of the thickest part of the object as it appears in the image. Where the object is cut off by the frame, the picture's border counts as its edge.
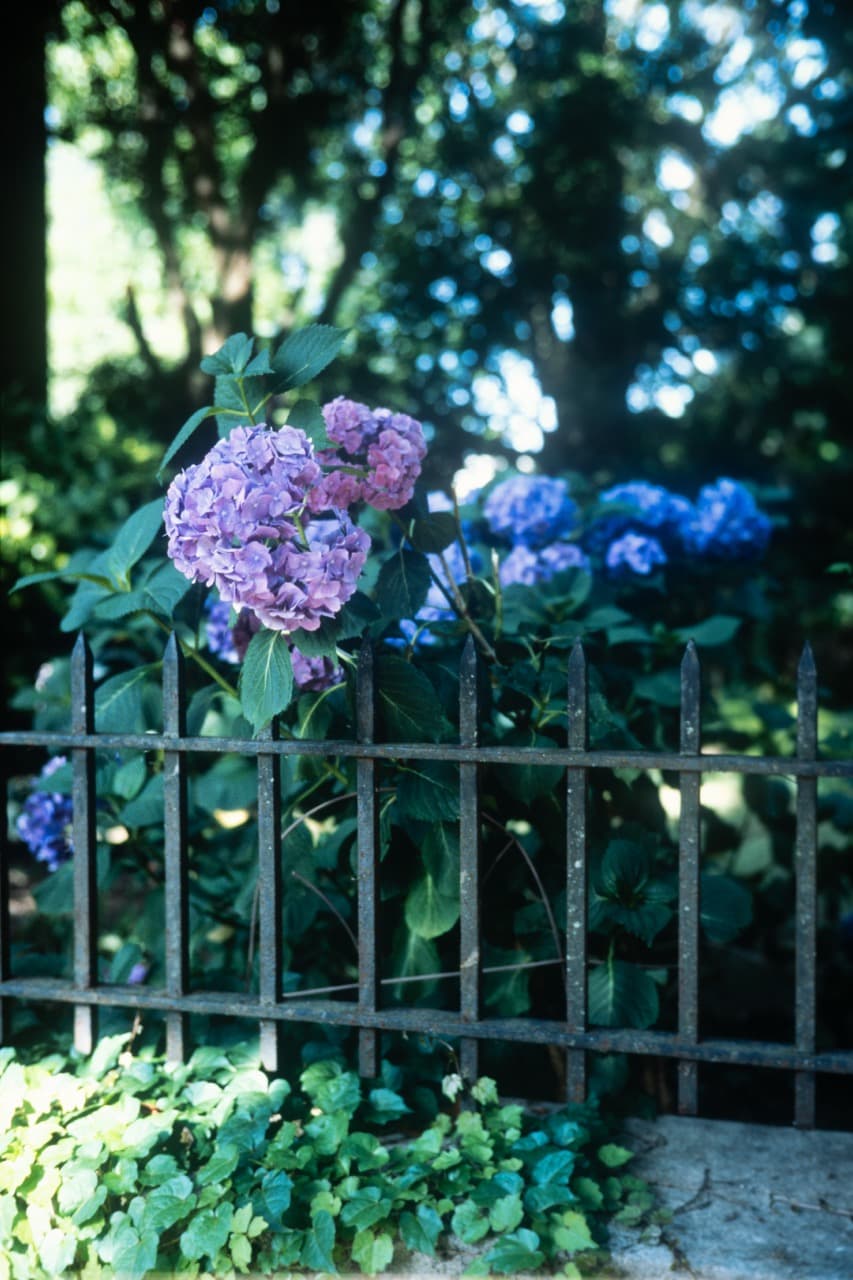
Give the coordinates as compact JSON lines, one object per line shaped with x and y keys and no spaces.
{"x":554,"y":1166}
{"x":373,"y":1253}
{"x":78,"y":1184}
{"x":621,"y":995}
{"x":663,"y":688}
{"x":365,"y":1208}
{"x":30,"y":579}
{"x":420,"y":1230}
{"x":56,"y":1251}
{"x":713,"y":631}
{"x":134,"y":538}
{"x":612,"y":1155}
{"x":386,"y":1105}
{"x":518,"y":1251}
{"x":429,"y":791}
{"x":119,"y":706}
{"x":529,"y":781}
{"x":307,"y":416}
{"x":506,"y":1214}
{"x":319,"y":1243}
{"x":306,"y":353}
{"x":330,"y":1087}
{"x":403,"y":583}
{"x":241,"y":1252}
{"x":321,"y":643}
{"x":235,"y":400}
{"x":408,"y":703}
{"x":194,"y":421}
{"x":223,"y":1162}
{"x":469,"y":1222}
{"x":573,"y":1234}
{"x":432,"y":907}
{"x":167,"y":1204}
{"x":121,"y":605}
{"x":434,"y":532}
{"x":165,"y":589}
{"x":146,"y":809}
{"x":232,"y":357}
{"x":266,"y":678}
{"x":206,"y":1233}
{"x":725,"y":907}
{"x":133,"y":1254}
{"x":274,"y":1198}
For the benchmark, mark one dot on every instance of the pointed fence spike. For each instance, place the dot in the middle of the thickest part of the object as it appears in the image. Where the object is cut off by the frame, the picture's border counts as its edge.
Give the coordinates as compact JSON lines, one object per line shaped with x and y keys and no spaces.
{"x":577,"y":657}
{"x":691,"y":655}
{"x":807,"y":667}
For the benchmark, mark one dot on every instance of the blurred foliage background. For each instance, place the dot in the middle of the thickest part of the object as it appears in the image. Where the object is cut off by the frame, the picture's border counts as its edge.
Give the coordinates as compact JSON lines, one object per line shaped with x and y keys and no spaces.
{"x":609,"y":238}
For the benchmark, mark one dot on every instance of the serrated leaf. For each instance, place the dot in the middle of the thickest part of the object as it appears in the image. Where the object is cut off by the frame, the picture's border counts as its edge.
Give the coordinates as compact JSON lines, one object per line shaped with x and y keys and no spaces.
{"x":31,"y":579}
{"x":621,"y":995}
{"x":306,"y":353}
{"x":134,"y":538}
{"x":408,"y":704}
{"x":119,"y":706}
{"x":432,"y":908}
{"x":236,"y":399}
{"x":322,"y":643}
{"x":165,"y":589}
{"x":307,"y":416}
{"x":403,"y":583}
{"x":435,"y":532}
{"x":232,"y":357}
{"x":429,"y":791}
{"x":192,"y":423}
{"x":120,"y":605}
{"x":266,"y":678}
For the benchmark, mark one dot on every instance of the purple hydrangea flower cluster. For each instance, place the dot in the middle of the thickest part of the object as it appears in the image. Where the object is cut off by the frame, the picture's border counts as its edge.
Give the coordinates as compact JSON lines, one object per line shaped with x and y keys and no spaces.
{"x":379,"y":458}
{"x":530,"y":567}
{"x":242,"y":520}
{"x":531,"y":510}
{"x":634,"y":553}
{"x":44,"y":823}
{"x":230,"y":644}
{"x":726,"y":523}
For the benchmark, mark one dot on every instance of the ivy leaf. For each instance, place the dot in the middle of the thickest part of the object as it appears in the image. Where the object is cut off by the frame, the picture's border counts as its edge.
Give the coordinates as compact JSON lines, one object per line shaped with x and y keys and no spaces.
{"x":223,"y":1162}
{"x":621,"y":995}
{"x":306,"y":353}
{"x":573,"y":1233}
{"x":266,"y":678}
{"x":241,"y":1252}
{"x":167,"y":1204}
{"x":206,"y":1233}
{"x":191,"y":425}
{"x":330,"y":1087}
{"x":554,"y":1166}
{"x":372,"y":1252}
{"x":134,"y":538}
{"x":403,"y":583}
{"x":274,"y":1198}
{"x":133,"y":1254}
{"x":518,"y":1251}
{"x":307,"y":416}
{"x":506,"y":1214}
{"x":386,"y":1105}
{"x":319,"y":1242}
{"x":365,"y":1208}
{"x":420,"y":1230}
{"x":434,"y":532}
{"x":612,"y":1155}
{"x":469,"y":1222}
{"x":725,"y":907}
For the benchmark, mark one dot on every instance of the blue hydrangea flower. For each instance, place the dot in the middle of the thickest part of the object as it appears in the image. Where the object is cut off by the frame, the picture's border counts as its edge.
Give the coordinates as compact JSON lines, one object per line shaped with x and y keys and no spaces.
{"x":647,"y":508}
{"x":436,"y":607}
{"x":726,"y":523}
{"x":634,"y":553}
{"x":220,"y":633}
{"x":532,"y":510}
{"x":530,"y":567}
{"x":44,"y":823}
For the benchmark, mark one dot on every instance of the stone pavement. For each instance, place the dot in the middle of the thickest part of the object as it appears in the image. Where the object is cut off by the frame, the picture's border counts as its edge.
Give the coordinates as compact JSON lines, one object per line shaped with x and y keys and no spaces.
{"x":746,"y":1202}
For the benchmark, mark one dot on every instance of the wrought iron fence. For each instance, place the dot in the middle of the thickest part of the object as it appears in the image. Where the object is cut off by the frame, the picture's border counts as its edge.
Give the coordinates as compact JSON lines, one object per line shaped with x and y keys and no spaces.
{"x":177,"y":999}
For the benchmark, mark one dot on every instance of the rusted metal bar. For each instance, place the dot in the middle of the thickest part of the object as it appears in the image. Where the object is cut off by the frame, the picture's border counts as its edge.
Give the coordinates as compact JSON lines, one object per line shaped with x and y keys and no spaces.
{"x":269,"y":896}
{"x":765,"y":766}
{"x":577,"y":873}
{"x":805,"y":862}
{"x":175,"y":848}
{"x":445,"y":1023}
{"x":470,"y":939}
{"x":84,"y":839}
{"x":689,"y":837}
{"x":367,"y":813}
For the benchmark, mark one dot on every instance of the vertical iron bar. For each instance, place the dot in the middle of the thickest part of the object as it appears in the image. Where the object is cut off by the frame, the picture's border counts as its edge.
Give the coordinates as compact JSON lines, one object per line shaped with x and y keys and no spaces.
{"x":269,"y":901}
{"x":689,"y":840}
{"x":84,"y":839}
{"x":175,"y":847}
{"x":805,"y":859}
{"x":368,"y":863}
{"x":469,"y":863}
{"x":5,"y":917}
{"x":577,"y":873}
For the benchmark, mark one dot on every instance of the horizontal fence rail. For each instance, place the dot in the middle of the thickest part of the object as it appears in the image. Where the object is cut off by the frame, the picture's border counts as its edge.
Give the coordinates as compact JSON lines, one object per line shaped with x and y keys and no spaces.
{"x":272,"y":1008}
